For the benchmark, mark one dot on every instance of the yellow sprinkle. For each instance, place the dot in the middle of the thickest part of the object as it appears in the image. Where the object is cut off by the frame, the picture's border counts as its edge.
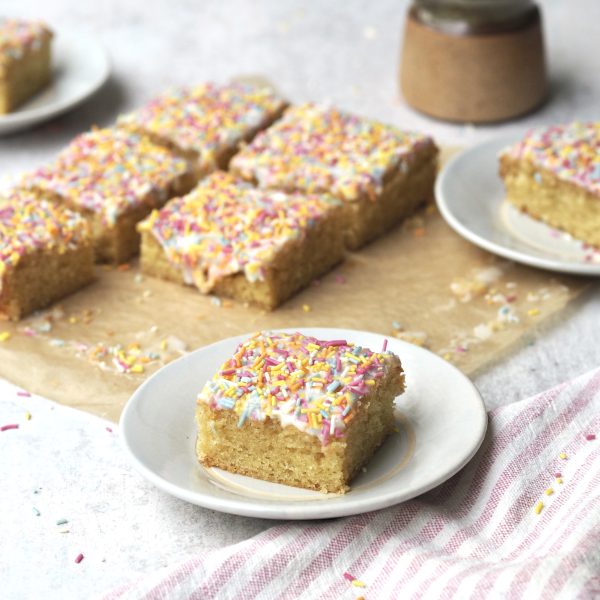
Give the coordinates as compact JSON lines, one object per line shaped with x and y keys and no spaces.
{"x":28,"y":416}
{"x":559,"y":480}
{"x":538,"y":507}
{"x":137,"y":369}
{"x":73,"y":320}
{"x":4,"y":336}
{"x":549,"y":492}
{"x":306,"y":308}
{"x":357,"y":583}
{"x":533,"y":312}
{"x":163,"y":345}
{"x":562,"y":456}
{"x":446,"y":356}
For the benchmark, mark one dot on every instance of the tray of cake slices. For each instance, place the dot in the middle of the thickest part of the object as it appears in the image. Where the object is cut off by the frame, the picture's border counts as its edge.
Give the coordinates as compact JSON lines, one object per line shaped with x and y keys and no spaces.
{"x":224,"y":208}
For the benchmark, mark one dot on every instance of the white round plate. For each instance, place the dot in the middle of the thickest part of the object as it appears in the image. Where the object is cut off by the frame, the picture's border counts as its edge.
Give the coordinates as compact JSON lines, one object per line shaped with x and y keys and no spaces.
{"x":470,"y":196}
{"x":441,"y":420}
{"x":80,"y":66}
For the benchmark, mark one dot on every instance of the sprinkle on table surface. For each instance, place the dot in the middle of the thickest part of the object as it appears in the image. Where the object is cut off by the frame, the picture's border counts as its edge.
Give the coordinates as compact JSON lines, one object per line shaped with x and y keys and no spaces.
{"x":9,"y":427}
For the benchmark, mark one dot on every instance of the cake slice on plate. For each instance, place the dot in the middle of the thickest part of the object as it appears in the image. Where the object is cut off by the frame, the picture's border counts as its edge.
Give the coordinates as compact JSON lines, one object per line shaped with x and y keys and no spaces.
{"x":292,"y":409}
{"x":24,"y":61}
{"x":553,"y":174}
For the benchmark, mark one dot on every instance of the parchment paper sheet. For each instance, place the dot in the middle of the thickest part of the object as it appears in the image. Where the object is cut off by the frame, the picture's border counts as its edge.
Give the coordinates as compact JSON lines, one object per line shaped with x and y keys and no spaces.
{"x":421,"y":282}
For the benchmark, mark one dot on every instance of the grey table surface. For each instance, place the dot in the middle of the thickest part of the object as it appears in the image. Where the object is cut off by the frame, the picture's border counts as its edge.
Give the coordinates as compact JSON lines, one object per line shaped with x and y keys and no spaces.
{"x":345,"y":52}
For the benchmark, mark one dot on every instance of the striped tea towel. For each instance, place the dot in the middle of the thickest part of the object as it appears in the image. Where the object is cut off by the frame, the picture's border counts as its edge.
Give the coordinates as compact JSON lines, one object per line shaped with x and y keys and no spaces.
{"x":522,"y":520}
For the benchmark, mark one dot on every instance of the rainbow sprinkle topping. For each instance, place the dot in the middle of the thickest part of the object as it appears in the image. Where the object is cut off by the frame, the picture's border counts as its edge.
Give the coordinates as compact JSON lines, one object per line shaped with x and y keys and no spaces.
{"x":225,"y":226}
{"x":571,"y":152}
{"x":311,"y":384}
{"x":17,"y":37}
{"x":207,"y":119}
{"x":110,"y":172}
{"x":319,"y":149}
{"x":29,"y":225}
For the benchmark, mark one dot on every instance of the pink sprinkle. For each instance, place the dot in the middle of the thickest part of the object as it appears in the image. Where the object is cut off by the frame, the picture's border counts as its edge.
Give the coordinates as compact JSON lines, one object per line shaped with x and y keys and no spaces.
{"x":335,"y":343}
{"x":24,"y":394}
{"x":348,"y":576}
{"x":79,"y":558}
{"x":557,"y":475}
{"x":109,"y":430}
{"x":11,"y":426}
{"x":228,"y":372}
{"x":384,"y":345}
{"x":590,"y":437}
{"x":340,"y":279}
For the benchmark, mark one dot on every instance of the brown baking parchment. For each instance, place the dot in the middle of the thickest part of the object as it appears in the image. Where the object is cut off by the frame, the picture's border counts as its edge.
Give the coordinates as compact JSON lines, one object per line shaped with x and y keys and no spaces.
{"x":421,"y":282}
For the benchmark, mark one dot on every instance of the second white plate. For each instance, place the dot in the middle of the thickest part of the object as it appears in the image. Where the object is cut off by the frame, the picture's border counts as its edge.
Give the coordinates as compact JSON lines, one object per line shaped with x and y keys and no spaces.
{"x":470,"y":196}
{"x":441,"y":420}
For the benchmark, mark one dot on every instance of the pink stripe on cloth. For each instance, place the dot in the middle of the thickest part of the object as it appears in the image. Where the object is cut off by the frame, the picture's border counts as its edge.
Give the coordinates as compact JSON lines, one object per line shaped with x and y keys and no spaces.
{"x":516,"y":508}
{"x":476,"y":536}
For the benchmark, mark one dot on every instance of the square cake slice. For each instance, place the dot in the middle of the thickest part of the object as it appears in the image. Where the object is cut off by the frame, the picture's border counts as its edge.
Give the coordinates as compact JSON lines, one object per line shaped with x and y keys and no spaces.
{"x":298,"y":411}
{"x":553,"y":174}
{"x":253,"y":245}
{"x":114,"y":178}
{"x":45,"y":253}
{"x":208,"y":122}
{"x":24,"y":61}
{"x":381,"y":173}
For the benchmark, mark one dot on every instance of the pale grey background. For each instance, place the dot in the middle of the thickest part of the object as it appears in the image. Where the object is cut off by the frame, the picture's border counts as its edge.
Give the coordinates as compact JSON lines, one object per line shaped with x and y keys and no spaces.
{"x":342,"y":51}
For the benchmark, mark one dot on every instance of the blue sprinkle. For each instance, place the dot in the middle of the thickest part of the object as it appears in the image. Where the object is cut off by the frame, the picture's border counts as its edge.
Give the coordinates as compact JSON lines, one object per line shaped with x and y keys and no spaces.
{"x":334,"y":385}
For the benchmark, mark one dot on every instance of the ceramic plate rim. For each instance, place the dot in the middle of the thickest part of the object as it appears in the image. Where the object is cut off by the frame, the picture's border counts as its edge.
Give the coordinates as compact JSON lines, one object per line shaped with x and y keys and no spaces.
{"x":63,"y":44}
{"x":446,"y":205}
{"x":294,"y":510}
